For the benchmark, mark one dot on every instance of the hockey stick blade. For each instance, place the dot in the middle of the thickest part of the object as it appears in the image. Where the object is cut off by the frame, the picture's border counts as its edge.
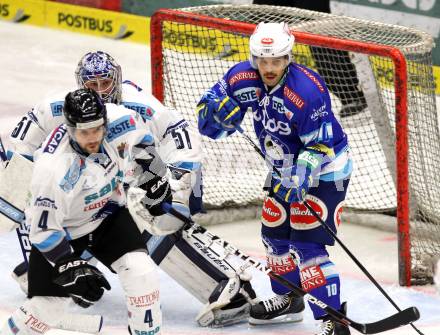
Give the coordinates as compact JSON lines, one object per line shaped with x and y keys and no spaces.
{"x":399,"y":319}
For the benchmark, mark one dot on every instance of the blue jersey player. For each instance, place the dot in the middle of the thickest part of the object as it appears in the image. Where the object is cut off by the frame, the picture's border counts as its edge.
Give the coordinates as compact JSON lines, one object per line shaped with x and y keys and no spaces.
{"x":299,"y":134}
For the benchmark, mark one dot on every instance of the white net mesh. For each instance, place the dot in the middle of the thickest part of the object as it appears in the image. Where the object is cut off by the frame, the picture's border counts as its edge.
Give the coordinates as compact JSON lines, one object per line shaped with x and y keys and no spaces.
{"x":362,"y":89}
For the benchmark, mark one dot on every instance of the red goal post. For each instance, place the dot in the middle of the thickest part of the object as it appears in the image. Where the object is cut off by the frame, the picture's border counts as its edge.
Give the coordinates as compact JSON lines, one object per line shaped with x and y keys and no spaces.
{"x":191,"y":26}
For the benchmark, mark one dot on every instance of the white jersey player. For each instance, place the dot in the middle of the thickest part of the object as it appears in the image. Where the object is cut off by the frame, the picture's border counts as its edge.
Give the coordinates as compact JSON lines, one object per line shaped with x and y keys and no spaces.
{"x":78,"y":203}
{"x":208,"y":279}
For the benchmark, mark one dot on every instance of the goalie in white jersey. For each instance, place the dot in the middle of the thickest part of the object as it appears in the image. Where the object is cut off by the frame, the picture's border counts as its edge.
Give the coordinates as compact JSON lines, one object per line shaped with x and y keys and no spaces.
{"x":78,"y":203}
{"x":225,"y":291}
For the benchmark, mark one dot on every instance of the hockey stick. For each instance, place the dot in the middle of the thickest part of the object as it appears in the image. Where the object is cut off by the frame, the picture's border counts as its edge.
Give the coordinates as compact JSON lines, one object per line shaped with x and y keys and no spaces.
{"x":396,"y":320}
{"x":332,"y":233}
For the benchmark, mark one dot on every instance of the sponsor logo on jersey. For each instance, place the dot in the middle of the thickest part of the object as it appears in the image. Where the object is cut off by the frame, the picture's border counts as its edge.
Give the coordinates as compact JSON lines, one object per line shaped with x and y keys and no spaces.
{"x":143,"y":110}
{"x":55,"y":139}
{"x":106,"y":189}
{"x":294,"y":97}
{"x":273,"y":213}
{"x":72,"y":175}
{"x":312,"y":78}
{"x":302,"y":219}
{"x":272,"y":125}
{"x":45,"y":202}
{"x":278,"y":104}
{"x":57,"y":108}
{"x":281,"y":264}
{"x":338,"y":213}
{"x":120,"y":127}
{"x":144,"y":300}
{"x":244,"y":75}
{"x":319,"y":113}
{"x":246,"y":94}
{"x":312,"y":277}
{"x":96,"y":205}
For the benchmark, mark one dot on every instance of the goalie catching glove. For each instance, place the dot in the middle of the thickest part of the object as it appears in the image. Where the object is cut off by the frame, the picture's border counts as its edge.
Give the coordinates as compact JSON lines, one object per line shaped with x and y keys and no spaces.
{"x":222,"y":112}
{"x":82,"y":281}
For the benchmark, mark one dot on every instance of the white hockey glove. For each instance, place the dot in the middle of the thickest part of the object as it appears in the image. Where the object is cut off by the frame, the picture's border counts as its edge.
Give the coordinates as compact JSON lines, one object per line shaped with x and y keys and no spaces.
{"x":180,"y":182}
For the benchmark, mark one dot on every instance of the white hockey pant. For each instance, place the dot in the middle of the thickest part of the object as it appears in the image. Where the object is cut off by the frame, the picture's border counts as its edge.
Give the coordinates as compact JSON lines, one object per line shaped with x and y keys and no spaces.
{"x":140,"y":282}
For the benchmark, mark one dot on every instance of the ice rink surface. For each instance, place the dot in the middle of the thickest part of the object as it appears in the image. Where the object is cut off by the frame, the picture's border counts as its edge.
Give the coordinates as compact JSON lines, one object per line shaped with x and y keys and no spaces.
{"x":37,"y":61}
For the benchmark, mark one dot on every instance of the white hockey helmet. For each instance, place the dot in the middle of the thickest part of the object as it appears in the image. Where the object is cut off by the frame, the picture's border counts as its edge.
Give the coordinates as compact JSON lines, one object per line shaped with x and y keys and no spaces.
{"x":271,"y":40}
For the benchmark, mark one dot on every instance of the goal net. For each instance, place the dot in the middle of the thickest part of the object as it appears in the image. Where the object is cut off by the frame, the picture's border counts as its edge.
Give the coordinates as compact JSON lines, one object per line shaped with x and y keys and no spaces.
{"x":381,"y":85}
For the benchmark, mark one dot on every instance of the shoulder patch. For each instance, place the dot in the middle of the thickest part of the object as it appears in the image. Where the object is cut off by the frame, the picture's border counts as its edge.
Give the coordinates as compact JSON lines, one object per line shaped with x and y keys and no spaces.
{"x":120,"y":127}
{"x":57,"y":108}
{"x":129,"y":82}
{"x":294,"y":97}
{"x":312,"y":78}
{"x":243,"y":75}
{"x":55,"y":139}
{"x":72,"y":175}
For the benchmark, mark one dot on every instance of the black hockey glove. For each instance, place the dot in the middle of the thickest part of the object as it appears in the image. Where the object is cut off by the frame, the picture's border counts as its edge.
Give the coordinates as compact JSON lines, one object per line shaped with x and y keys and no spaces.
{"x":82,"y":281}
{"x":158,"y":191}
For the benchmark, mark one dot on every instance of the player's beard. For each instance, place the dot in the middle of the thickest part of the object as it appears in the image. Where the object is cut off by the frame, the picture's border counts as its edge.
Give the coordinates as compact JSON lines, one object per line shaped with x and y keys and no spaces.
{"x":92,"y":148}
{"x":271,"y":78}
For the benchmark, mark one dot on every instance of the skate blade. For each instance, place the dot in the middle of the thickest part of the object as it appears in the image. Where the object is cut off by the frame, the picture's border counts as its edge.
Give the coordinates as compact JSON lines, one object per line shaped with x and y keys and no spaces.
{"x":288,"y":318}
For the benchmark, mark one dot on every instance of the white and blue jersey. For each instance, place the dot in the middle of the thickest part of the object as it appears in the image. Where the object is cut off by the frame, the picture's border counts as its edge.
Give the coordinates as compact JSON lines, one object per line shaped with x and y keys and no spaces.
{"x":73,"y":193}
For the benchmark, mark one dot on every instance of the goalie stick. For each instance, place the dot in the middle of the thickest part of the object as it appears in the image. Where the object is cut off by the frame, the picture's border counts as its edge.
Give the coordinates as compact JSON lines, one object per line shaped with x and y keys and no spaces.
{"x":332,"y":233}
{"x":69,"y":321}
{"x":396,"y":320}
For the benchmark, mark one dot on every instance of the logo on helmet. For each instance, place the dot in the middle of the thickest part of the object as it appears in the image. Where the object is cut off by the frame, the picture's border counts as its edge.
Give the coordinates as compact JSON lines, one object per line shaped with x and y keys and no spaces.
{"x":267,"y":40}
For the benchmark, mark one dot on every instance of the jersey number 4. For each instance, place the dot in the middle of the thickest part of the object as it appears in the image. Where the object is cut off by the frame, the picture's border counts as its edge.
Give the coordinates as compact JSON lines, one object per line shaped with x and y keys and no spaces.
{"x":42,"y":223}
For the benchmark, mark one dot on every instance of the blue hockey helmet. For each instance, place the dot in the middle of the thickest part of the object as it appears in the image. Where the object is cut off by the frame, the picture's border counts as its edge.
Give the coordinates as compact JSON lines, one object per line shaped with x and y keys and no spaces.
{"x":100,"y":72}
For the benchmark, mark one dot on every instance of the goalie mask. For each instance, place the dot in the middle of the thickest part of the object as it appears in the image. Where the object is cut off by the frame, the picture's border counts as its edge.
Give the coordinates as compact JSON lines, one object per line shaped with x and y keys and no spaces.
{"x":100,"y":72}
{"x":270,"y":40}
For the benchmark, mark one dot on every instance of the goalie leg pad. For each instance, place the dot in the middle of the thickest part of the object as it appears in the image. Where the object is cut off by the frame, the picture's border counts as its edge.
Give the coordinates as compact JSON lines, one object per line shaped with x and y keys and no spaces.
{"x":15,"y":181}
{"x":201,"y":264}
{"x":140,"y":282}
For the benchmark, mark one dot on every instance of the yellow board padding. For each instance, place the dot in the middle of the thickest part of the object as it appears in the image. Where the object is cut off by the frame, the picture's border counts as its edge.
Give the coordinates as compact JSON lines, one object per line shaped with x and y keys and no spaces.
{"x":183,"y":37}
{"x":23,"y":11}
{"x":97,"y":22}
